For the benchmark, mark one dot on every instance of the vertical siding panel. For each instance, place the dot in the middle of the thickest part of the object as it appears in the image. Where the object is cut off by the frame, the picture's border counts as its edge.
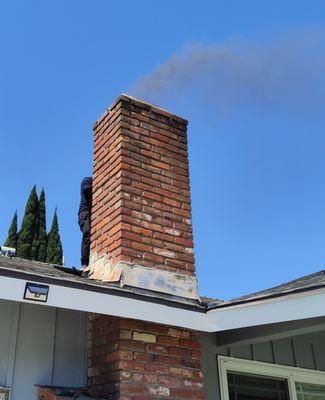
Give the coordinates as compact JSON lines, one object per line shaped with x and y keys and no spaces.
{"x":304,"y":352}
{"x":33,"y":364}
{"x":314,"y":356}
{"x":263,"y":352}
{"x":210,"y":366}
{"x":6,"y":318}
{"x":293,"y":352}
{"x":283,"y":352}
{"x":242,"y":352}
{"x":54,"y":345}
{"x":319,"y":347}
{"x":273,"y":352}
{"x":69,"y":358}
{"x":13,"y":343}
{"x":81,"y":371}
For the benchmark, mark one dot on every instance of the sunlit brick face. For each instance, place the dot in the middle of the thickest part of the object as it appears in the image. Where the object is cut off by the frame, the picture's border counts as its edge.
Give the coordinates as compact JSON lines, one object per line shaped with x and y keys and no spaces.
{"x":141,"y":191}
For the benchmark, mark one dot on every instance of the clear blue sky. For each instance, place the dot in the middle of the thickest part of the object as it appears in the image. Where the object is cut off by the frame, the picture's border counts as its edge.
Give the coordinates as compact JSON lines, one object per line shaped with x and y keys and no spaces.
{"x":257,"y":133}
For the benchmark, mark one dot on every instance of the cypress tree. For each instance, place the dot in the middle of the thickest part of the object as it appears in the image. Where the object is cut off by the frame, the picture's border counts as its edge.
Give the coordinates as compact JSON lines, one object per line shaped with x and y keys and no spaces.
{"x":35,"y":242}
{"x":12,"y":233}
{"x":54,"y":253}
{"x":42,"y":235}
{"x":28,"y":234}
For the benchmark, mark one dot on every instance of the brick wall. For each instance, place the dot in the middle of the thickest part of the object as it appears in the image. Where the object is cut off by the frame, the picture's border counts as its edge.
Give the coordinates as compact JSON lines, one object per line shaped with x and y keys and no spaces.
{"x":134,"y":360}
{"x":142,"y":216}
{"x":141,"y":193}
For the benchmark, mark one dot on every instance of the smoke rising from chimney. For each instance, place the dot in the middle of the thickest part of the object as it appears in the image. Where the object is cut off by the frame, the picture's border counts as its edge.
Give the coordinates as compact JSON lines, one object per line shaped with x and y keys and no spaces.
{"x":286,"y":73}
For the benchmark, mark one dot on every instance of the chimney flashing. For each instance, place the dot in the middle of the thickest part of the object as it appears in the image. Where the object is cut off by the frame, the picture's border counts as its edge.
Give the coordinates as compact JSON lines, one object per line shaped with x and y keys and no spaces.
{"x":141,"y":277}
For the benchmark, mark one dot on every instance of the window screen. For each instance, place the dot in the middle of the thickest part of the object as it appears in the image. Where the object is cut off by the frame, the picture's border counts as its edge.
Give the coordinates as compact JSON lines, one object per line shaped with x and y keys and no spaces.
{"x":254,"y":387}
{"x":310,"y":391}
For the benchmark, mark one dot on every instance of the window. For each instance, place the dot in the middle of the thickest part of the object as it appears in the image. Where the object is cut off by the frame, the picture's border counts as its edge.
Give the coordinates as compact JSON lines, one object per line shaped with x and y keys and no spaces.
{"x":310,"y":391}
{"x":251,"y":387}
{"x":253,"y":380}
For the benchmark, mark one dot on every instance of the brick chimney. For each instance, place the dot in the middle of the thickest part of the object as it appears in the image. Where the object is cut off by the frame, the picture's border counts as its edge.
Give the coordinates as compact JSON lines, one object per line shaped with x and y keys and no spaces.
{"x":141,"y":220}
{"x":142,"y":236}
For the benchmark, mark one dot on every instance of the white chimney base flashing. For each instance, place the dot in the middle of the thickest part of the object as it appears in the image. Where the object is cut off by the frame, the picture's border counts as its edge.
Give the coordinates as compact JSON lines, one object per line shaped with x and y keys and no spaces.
{"x":138,"y":276}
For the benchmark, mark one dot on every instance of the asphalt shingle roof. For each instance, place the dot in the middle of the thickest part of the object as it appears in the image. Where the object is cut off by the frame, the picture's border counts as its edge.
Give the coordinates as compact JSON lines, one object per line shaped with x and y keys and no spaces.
{"x":302,"y":284}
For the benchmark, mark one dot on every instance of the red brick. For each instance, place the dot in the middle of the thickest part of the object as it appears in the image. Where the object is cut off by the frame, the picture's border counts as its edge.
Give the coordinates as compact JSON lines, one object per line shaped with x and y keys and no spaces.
{"x":131,"y":388}
{"x":167,"y":340}
{"x":177,"y":351}
{"x":157,"y":348}
{"x":182,"y":372}
{"x":170,"y":381}
{"x":196,"y":354}
{"x":148,"y":378}
{"x":157,"y":369}
{"x":190,"y":344}
{"x":131,"y":324}
{"x":183,"y":393}
{"x":131,"y":366}
{"x":179,"y":333}
{"x":191,"y":363}
{"x":119,"y":355}
{"x":144,"y":357}
{"x":169,"y":360}
{"x":140,"y":181}
{"x":155,"y":328}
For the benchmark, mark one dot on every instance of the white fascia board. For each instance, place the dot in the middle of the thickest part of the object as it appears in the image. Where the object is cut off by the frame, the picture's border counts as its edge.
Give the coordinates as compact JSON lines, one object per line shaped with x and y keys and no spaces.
{"x":292,"y":307}
{"x":105,"y":303}
{"x":286,"y":308}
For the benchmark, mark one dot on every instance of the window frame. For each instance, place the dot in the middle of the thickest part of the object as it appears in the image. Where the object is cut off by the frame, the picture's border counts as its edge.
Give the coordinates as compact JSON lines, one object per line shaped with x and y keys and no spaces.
{"x":291,"y":374}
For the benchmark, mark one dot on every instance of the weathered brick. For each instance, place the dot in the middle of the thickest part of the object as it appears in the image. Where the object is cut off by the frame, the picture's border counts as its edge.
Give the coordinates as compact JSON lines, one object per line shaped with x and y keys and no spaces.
{"x":141,"y":187}
{"x":183,"y":372}
{"x":179,"y":333}
{"x":157,"y":369}
{"x":158,"y":391}
{"x":148,"y":378}
{"x":144,"y":337}
{"x":157,"y":348}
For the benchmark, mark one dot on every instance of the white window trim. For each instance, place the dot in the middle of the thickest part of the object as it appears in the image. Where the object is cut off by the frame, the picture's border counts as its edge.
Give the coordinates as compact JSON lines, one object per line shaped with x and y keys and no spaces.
{"x":292,"y":374}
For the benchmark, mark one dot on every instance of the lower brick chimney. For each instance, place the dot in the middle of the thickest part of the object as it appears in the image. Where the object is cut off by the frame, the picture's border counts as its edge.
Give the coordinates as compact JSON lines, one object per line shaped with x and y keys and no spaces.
{"x":135,"y":360}
{"x":142,"y":236}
